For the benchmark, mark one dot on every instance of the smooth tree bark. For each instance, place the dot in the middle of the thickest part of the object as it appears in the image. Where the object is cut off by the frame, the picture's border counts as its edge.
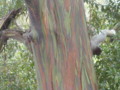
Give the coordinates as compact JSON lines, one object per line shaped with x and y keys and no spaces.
{"x":60,"y":45}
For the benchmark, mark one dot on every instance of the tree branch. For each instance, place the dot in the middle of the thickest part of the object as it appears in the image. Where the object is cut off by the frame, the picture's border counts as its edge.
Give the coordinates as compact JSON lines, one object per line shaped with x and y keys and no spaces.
{"x":23,"y":37}
{"x":15,"y":34}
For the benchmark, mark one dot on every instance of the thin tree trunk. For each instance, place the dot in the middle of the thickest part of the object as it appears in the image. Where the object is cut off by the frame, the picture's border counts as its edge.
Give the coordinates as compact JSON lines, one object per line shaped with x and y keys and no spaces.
{"x":60,"y":45}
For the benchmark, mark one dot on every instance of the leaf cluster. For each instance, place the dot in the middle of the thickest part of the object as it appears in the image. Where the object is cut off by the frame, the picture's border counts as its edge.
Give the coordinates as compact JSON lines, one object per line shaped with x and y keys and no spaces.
{"x":107,"y":64}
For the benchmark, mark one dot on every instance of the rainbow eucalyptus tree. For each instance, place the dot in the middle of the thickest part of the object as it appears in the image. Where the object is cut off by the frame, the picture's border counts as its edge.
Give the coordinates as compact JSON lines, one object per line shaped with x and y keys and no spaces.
{"x":59,"y":42}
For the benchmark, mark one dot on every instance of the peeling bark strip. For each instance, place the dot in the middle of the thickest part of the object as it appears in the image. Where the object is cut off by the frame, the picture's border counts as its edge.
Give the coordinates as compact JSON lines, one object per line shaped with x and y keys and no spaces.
{"x":61,"y":46}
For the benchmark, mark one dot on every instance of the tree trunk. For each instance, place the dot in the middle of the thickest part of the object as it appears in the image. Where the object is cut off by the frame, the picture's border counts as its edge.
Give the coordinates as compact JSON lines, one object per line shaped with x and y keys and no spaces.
{"x":60,"y":45}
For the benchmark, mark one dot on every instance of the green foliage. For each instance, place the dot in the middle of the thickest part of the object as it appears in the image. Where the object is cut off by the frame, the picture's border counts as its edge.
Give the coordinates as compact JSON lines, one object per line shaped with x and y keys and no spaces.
{"x":16,"y":68}
{"x":104,"y":16}
{"x":8,"y":5}
{"x":107,"y":64}
{"x":16,"y":63}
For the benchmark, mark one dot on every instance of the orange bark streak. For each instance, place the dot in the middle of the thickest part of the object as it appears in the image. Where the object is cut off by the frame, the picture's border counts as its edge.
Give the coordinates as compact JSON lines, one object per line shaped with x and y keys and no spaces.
{"x":40,"y":66}
{"x":67,"y":4}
